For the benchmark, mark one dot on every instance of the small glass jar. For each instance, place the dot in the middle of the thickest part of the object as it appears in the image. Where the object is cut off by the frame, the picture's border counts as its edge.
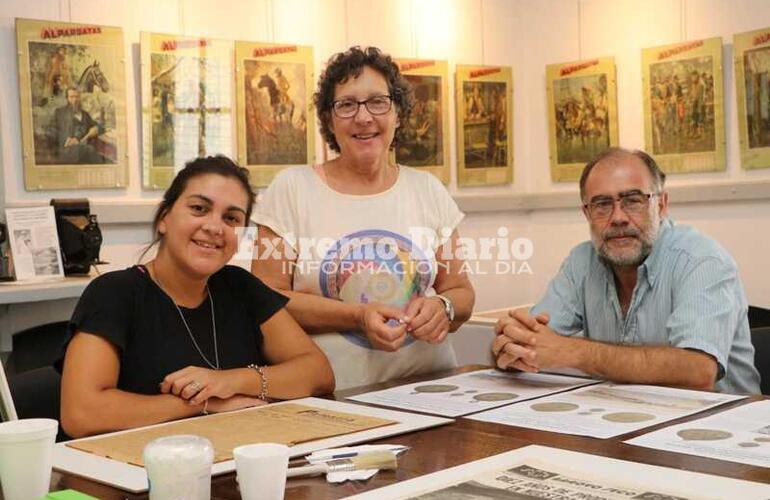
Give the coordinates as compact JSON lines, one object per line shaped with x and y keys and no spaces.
{"x":179,"y":467}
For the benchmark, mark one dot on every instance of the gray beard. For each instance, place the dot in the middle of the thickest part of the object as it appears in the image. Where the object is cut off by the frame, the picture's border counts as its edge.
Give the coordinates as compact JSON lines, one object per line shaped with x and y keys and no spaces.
{"x":626,"y":260}
{"x":646,"y":238}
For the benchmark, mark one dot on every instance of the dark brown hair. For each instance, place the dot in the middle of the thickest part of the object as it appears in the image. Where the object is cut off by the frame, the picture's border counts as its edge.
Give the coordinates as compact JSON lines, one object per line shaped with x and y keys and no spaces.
{"x":658,"y":176}
{"x":219,"y":165}
{"x":350,"y":63}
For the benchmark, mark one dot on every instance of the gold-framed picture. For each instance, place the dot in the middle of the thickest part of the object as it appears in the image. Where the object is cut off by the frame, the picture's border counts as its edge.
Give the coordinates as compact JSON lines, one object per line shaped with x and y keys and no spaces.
{"x":484,"y":113}
{"x":424,"y":141}
{"x":683,"y":106}
{"x":187,"y":103}
{"x":276,"y":123}
{"x":752,"y":85}
{"x":582,"y":114}
{"x":72,"y":88}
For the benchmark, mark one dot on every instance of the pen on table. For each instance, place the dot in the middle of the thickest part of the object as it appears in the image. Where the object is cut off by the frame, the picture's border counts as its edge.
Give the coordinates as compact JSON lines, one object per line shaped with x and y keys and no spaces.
{"x":357,"y":453}
{"x":380,"y":460}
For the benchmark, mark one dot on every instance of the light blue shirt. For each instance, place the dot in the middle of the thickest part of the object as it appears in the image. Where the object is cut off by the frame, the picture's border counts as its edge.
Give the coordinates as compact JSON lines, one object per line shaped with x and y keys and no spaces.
{"x":688,"y":295}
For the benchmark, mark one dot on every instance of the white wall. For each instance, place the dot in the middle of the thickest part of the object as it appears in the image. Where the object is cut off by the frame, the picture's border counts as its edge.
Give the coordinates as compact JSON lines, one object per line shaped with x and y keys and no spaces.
{"x":526,"y":34}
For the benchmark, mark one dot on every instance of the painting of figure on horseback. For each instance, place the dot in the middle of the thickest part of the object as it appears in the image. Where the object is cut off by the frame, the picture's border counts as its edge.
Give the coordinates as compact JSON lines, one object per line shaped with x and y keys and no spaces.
{"x":73,"y":109}
{"x":682,"y":106}
{"x":582,"y":117}
{"x":275,"y":112}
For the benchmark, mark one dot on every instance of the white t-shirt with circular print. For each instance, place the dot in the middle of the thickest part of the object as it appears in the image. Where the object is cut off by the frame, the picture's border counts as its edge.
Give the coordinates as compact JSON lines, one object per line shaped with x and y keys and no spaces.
{"x":361,"y":249}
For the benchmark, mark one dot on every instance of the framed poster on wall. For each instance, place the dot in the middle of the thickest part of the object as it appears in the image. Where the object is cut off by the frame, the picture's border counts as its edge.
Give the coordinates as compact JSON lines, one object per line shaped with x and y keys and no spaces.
{"x":424,"y":141}
{"x":73,"y":105}
{"x":752,"y":85}
{"x":683,"y":115}
{"x":187,"y":103}
{"x":484,"y":101}
{"x":582,"y":114}
{"x":276,"y":123}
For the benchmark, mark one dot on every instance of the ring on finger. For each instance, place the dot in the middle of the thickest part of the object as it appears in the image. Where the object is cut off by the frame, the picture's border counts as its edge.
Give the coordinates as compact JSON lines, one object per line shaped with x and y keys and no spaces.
{"x":195,"y":386}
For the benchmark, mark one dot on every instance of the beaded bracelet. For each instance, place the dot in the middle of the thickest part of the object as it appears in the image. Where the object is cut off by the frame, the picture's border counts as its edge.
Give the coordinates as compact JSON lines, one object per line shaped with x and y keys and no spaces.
{"x":261,"y":371}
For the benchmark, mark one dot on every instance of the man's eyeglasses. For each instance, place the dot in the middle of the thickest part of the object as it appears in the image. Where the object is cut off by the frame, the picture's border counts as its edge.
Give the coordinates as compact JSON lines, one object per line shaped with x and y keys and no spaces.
{"x":348,"y":108}
{"x":631,"y":203}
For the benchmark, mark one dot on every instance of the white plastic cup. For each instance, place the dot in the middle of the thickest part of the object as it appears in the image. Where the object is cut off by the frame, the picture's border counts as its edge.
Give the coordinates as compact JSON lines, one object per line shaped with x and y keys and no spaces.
{"x":26,"y":454}
{"x":262,"y":470}
{"x":179,"y":467}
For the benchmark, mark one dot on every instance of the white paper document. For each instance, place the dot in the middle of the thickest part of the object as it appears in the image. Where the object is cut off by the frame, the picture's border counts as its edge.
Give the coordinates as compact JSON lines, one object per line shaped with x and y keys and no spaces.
{"x":541,"y":472}
{"x":740,"y":435}
{"x":34,"y":243}
{"x":471,"y":392}
{"x":606,"y":410}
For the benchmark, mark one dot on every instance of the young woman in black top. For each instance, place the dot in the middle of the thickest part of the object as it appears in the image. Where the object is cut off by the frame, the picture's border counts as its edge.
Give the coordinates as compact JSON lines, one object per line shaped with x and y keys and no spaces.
{"x":186,"y":334}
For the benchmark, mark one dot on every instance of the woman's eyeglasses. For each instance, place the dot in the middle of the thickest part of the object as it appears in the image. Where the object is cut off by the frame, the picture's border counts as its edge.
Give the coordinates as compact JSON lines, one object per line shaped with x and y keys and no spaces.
{"x":348,"y":108}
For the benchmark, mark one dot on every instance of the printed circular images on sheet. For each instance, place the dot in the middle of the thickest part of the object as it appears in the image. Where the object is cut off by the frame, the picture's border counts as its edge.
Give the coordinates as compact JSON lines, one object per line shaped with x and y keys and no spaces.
{"x":495,"y":396}
{"x":554,"y":406}
{"x":430,"y":388}
{"x":703,"y":434}
{"x":627,"y":417}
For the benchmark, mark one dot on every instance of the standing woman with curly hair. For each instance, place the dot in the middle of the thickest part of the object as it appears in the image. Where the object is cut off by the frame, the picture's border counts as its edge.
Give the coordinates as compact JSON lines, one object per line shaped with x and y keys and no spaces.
{"x":366,"y":249}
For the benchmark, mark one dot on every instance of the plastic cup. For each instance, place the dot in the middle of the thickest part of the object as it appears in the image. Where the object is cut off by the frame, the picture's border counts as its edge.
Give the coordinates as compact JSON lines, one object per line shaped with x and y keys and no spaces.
{"x":179,"y":467}
{"x":262,"y":470}
{"x":26,"y":454}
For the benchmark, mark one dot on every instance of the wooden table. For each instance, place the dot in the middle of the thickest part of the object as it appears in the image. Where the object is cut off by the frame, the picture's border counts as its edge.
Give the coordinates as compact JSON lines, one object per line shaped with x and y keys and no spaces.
{"x":457,"y":443}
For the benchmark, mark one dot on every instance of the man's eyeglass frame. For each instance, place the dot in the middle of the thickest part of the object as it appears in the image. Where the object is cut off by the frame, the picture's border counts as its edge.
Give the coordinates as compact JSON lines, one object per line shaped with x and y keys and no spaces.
{"x":622,"y":200}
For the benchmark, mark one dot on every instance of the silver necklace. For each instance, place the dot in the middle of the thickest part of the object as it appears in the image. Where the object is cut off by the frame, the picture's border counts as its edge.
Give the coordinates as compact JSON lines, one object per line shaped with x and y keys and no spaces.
{"x":215,"y":365}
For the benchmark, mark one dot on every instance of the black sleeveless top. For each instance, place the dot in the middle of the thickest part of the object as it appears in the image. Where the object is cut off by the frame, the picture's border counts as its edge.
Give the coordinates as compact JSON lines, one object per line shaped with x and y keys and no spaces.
{"x":128,"y":309}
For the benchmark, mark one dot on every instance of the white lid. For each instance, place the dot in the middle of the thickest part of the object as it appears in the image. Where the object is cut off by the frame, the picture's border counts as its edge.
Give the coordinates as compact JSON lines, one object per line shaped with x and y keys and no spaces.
{"x":27,"y":429}
{"x":179,"y":448}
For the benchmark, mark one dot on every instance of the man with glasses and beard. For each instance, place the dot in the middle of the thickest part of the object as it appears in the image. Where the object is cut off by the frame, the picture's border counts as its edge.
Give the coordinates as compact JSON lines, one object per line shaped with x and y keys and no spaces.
{"x":646,"y":301}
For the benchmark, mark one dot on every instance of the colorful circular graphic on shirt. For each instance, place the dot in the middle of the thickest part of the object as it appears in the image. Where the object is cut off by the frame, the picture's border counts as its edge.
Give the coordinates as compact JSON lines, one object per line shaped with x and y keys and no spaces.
{"x":375,"y":265}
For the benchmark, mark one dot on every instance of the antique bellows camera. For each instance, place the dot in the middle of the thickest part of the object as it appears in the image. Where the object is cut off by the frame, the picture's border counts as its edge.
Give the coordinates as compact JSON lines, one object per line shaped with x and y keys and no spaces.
{"x":79,"y":235}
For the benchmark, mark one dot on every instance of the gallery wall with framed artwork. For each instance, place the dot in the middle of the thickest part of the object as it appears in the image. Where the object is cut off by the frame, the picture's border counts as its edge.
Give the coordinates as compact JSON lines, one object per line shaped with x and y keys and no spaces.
{"x":751,"y":52}
{"x":684,"y":126}
{"x":73,"y":114}
{"x":683,"y":113}
{"x":187,"y":103}
{"x":582,"y":114}
{"x":484,"y":117}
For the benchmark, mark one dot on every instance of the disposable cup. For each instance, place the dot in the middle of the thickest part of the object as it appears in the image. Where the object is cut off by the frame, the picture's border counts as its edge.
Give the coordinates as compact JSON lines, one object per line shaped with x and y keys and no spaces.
{"x":26,"y":453}
{"x":179,"y":467}
{"x":261,"y":470}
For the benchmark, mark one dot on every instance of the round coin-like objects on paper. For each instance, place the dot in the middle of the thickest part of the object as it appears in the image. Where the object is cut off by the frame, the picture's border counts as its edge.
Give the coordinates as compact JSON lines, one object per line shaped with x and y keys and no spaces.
{"x":436,"y":388}
{"x":628,"y":417}
{"x":554,"y":406}
{"x":495,"y":396}
{"x":703,"y":434}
